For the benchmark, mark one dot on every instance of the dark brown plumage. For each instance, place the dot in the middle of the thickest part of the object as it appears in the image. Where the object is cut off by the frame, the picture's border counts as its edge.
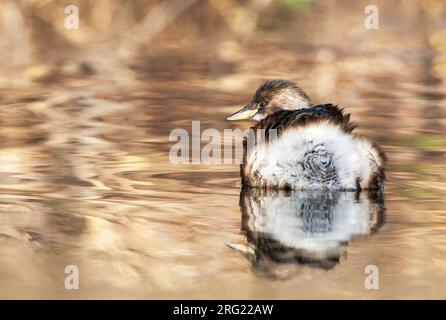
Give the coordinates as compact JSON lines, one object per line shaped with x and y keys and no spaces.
{"x":284,"y":119}
{"x":269,"y":89}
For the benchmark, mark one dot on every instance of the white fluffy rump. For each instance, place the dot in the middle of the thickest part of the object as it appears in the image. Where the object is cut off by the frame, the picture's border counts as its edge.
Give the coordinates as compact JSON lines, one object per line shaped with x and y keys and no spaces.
{"x":316,"y":156}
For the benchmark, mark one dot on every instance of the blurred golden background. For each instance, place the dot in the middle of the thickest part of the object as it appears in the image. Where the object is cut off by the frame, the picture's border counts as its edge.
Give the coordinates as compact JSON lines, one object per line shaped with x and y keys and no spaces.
{"x":84,"y":139}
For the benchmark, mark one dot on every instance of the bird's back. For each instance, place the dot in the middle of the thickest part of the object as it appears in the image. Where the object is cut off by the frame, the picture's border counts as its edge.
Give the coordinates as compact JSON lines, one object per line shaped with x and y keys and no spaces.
{"x":312,"y":148}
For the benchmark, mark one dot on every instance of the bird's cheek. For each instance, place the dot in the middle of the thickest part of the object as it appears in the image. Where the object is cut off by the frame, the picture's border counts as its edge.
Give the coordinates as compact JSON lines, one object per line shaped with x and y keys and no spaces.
{"x":259,"y":116}
{"x":274,"y":108}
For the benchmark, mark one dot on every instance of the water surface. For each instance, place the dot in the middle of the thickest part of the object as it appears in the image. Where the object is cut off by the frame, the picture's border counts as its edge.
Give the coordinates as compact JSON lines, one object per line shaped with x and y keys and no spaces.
{"x":86,"y":178}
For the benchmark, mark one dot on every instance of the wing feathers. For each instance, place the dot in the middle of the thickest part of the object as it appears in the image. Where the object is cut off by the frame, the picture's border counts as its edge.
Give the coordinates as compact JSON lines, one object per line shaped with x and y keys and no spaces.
{"x":284,"y":119}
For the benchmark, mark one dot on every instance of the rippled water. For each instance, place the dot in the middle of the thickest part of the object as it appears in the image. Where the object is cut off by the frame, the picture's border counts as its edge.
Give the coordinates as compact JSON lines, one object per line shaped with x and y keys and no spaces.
{"x":86,"y":178}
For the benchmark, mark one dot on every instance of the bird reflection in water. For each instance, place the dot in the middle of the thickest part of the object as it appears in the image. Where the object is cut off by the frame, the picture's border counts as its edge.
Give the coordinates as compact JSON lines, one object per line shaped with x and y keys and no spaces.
{"x":287,"y":229}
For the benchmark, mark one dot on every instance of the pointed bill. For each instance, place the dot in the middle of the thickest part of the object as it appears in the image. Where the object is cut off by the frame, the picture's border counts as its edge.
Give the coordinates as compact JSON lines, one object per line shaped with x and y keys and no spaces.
{"x":246,"y":112}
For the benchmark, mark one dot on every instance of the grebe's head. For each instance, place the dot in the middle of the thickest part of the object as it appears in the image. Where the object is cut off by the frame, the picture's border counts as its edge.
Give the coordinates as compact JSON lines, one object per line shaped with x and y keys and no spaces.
{"x":272,"y":96}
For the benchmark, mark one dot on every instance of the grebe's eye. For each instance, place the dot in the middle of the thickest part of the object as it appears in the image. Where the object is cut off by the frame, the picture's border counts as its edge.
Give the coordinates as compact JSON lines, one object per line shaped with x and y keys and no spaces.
{"x":262,"y":105}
